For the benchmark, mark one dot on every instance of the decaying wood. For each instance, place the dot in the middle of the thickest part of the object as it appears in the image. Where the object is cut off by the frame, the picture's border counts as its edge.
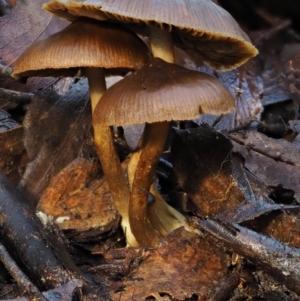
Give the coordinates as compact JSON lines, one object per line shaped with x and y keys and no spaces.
{"x":36,"y":251}
{"x":277,"y":259}
{"x":15,"y":97}
{"x":24,"y":282}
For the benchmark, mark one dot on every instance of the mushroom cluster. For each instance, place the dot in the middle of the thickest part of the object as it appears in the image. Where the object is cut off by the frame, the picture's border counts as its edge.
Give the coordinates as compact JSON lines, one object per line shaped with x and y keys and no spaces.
{"x":160,"y":91}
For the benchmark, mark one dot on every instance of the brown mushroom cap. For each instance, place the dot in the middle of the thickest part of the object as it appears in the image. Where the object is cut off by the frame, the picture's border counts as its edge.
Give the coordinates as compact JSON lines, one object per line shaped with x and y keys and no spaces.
{"x":162,"y":92}
{"x":84,"y":43}
{"x":201,"y":27}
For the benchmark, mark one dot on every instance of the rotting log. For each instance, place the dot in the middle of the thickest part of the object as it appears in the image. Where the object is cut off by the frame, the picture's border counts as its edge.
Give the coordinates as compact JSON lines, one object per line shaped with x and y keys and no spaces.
{"x":36,"y":251}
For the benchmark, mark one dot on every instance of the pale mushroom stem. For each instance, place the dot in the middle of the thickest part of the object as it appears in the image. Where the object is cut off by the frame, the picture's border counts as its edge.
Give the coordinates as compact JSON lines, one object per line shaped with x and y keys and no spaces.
{"x":97,"y":84}
{"x":154,"y":137}
{"x":161,"y":43}
{"x":153,"y":142}
{"x":110,"y":162}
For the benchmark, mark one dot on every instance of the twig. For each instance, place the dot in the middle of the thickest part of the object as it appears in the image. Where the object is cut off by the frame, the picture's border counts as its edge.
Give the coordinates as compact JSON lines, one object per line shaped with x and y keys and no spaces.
{"x":19,"y":276}
{"x":5,"y":69}
{"x":217,"y":120}
{"x":6,"y":293}
{"x":246,"y":125}
{"x":16,"y":97}
{"x":277,"y":26}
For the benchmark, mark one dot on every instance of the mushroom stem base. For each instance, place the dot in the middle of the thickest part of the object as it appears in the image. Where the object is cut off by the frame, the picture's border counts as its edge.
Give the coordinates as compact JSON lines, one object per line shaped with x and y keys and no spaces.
{"x":115,"y":177}
{"x":153,"y":143}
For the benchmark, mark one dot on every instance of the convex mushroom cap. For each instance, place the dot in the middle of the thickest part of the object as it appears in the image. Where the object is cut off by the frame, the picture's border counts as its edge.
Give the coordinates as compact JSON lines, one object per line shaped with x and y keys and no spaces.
{"x":162,"y":92}
{"x":83,"y":43}
{"x":200,"y":27}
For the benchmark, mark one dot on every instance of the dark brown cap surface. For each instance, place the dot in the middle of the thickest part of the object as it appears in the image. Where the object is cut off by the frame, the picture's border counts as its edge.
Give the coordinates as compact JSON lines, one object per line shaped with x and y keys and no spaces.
{"x":162,"y":92}
{"x":84,"y":43}
{"x":201,"y":27}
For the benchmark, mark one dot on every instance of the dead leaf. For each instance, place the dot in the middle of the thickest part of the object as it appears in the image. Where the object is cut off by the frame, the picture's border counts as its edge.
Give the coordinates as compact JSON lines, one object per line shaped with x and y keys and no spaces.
{"x":252,"y":210}
{"x":183,"y":265}
{"x":12,"y":152}
{"x":246,"y":86}
{"x":281,"y":225}
{"x":26,"y":23}
{"x":202,"y":164}
{"x":273,"y":163}
{"x":273,"y":173}
{"x":275,"y":118}
{"x":77,"y":203}
{"x":288,"y":79}
{"x":118,"y":263}
{"x":55,"y":131}
{"x":277,"y":149}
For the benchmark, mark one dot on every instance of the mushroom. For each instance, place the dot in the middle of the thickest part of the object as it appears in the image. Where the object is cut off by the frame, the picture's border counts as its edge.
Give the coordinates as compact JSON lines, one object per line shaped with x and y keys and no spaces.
{"x":201,"y":27}
{"x":156,"y":94}
{"x":94,"y":48}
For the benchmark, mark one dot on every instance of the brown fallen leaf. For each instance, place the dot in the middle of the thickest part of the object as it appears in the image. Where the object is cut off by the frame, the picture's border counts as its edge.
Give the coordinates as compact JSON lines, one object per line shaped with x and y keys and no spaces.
{"x":202,"y":164}
{"x":75,"y":203}
{"x":273,"y":173}
{"x":246,"y":86}
{"x":277,"y":149}
{"x":252,"y":210}
{"x":26,"y":23}
{"x":184,"y":265}
{"x":12,"y":152}
{"x":244,"y":83}
{"x":56,"y":130}
{"x":274,"y":163}
{"x":118,"y":263}
{"x":272,"y":61}
{"x":288,"y":78}
{"x":281,"y":225}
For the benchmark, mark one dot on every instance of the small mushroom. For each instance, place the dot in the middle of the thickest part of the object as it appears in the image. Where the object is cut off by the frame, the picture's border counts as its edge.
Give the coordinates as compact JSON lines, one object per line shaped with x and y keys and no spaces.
{"x":94,"y":48}
{"x":156,"y":94}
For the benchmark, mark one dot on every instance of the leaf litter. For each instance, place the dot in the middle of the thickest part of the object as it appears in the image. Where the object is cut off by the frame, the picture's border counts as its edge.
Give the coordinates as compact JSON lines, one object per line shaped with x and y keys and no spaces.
{"x":242,"y":177}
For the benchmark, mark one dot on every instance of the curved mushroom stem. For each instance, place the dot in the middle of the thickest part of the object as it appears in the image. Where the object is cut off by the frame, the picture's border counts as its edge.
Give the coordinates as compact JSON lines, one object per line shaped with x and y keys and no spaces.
{"x":110,"y":162}
{"x":162,"y":217}
{"x":153,"y":142}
